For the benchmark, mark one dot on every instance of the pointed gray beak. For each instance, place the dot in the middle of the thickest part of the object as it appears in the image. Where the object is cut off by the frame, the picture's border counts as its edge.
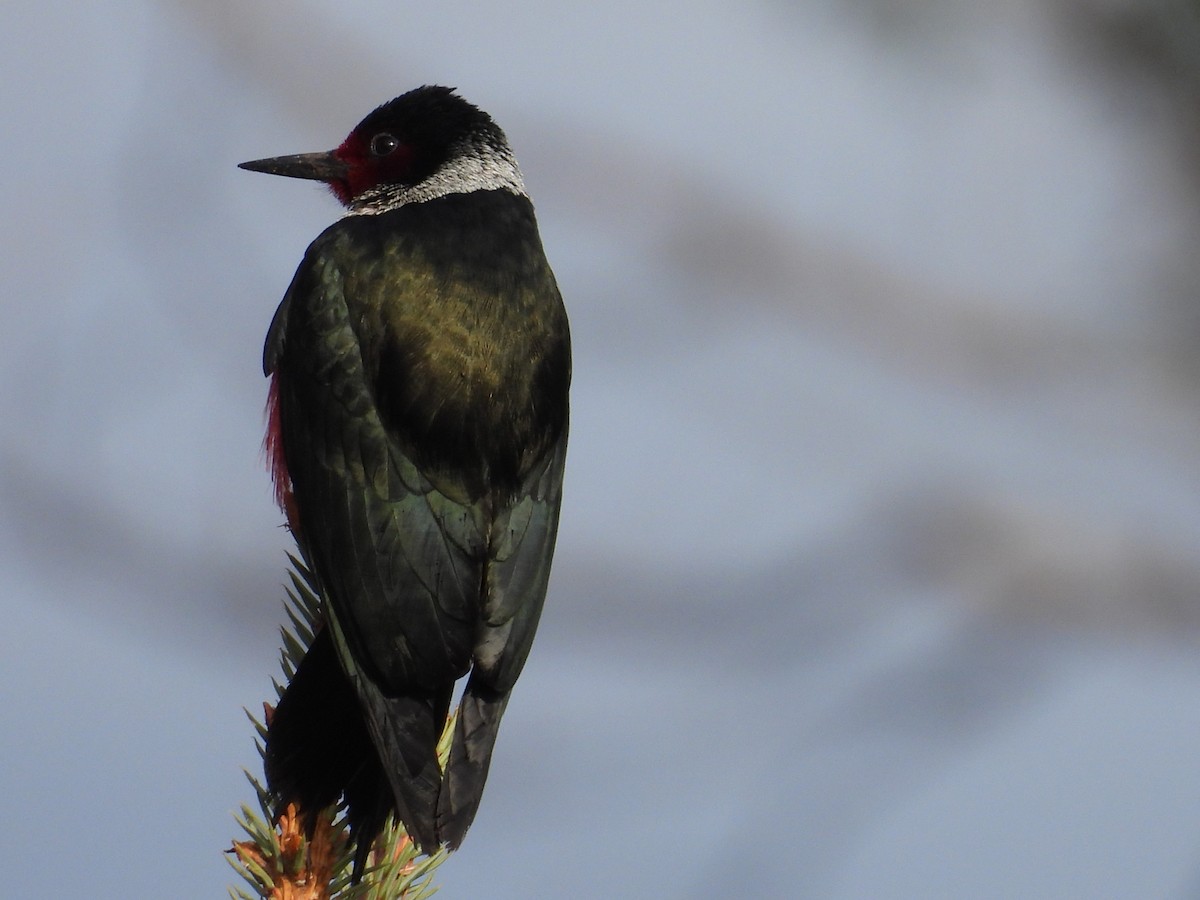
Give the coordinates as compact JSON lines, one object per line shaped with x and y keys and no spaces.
{"x":314,"y":166}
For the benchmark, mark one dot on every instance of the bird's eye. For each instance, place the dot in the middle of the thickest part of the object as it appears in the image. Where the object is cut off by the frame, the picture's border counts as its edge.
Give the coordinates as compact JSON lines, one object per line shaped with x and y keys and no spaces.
{"x":383,"y":144}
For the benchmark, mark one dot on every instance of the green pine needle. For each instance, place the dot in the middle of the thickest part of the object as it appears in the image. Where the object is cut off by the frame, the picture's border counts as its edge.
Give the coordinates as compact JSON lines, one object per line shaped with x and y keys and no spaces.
{"x":280,"y":850}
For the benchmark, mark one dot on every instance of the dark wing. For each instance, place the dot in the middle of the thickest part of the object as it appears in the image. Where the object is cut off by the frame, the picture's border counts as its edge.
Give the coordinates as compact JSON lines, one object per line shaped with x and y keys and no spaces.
{"x":400,"y":564}
{"x":517,"y":573}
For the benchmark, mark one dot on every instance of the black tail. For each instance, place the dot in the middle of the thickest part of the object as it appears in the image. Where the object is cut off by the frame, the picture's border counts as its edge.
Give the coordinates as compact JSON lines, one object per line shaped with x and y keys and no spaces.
{"x":406,"y":732}
{"x":318,"y":748}
{"x":470,"y":756}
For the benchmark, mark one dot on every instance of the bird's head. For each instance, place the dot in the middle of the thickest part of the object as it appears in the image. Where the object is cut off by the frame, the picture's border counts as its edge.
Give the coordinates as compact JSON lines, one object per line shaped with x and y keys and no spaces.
{"x":424,"y":144}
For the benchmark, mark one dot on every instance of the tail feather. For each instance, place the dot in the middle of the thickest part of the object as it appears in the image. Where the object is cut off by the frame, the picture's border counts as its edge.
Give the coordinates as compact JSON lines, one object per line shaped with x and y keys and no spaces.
{"x":406,"y":732}
{"x":369,"y":804}
{"x":470,"y":756}
{"x":316,"y":740}
{"x":318,"y":748}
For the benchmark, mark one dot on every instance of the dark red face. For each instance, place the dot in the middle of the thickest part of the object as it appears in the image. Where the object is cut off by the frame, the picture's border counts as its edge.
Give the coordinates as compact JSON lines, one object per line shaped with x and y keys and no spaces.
{"x":373,"y":159}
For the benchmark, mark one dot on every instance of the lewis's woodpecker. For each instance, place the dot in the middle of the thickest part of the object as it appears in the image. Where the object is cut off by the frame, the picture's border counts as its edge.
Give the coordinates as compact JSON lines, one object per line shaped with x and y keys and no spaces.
{"x":417,"y":428}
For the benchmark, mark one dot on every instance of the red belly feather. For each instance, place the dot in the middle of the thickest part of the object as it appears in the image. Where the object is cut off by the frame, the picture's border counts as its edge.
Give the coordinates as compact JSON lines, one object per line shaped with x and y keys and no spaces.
{"x":277,"y":459}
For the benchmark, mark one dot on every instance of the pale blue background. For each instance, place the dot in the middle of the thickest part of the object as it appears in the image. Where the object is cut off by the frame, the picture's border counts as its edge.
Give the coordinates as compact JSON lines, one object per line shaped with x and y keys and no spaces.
{"x":878,"y":571}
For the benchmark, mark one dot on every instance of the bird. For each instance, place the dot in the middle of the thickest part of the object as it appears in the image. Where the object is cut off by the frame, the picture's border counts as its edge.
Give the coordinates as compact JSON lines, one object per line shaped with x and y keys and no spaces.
{"x":417,"y":419}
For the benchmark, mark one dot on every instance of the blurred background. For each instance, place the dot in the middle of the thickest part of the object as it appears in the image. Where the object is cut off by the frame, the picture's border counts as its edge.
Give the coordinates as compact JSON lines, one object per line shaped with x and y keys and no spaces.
{"x":878,"y":571}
